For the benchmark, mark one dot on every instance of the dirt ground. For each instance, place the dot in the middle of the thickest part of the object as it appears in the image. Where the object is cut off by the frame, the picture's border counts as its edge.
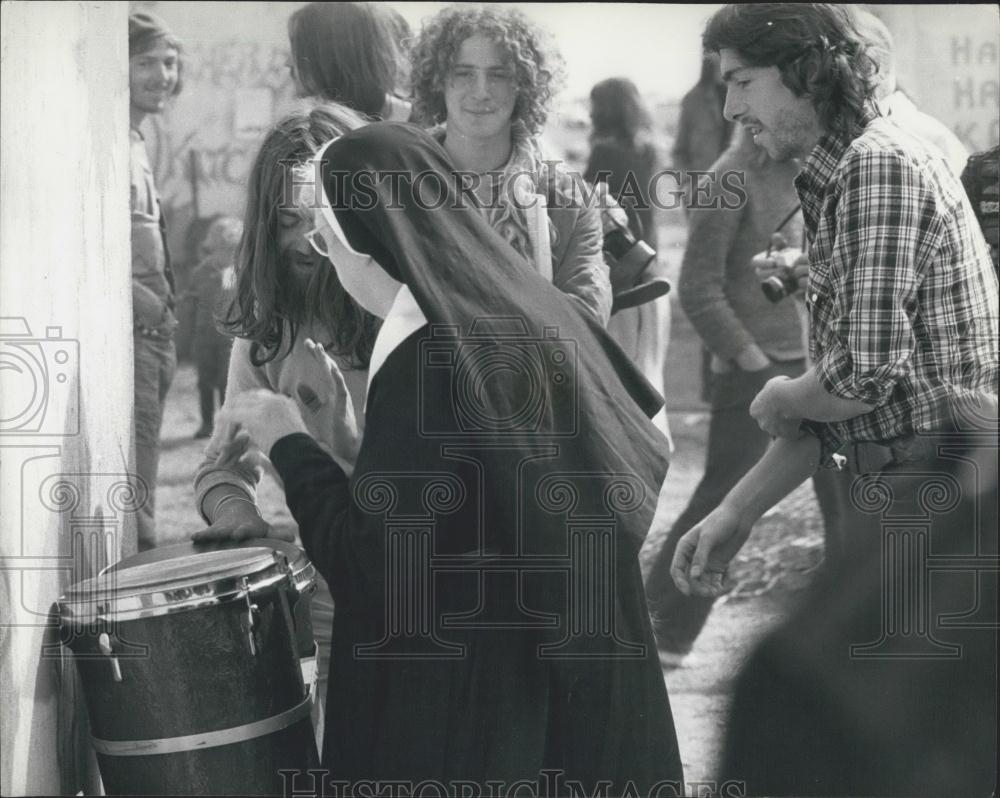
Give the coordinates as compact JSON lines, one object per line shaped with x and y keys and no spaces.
{"x":784,"y":550}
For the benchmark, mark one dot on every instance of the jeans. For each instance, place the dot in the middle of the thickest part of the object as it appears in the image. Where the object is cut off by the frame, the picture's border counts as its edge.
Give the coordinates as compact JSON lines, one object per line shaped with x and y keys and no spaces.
{"x":735,"y":444}
{"x":155,"y":364}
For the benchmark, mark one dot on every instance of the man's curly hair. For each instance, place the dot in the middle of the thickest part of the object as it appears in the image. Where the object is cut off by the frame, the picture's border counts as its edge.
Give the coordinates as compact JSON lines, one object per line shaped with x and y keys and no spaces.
{"x":537,"y":65}
{"x":817,"y":48}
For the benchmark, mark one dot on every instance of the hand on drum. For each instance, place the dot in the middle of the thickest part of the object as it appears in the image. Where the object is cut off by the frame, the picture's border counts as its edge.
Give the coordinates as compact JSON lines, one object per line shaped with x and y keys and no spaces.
{"x":701,"y":562}
{"x":238,"y":519}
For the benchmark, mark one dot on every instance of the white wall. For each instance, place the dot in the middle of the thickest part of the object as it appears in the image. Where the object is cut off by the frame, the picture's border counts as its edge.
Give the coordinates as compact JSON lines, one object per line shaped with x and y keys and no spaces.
{"x":65,"y":359}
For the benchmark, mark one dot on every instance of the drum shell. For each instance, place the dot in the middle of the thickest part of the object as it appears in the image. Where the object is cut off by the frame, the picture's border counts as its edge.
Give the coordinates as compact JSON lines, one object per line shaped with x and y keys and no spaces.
{"x":192,"y":672}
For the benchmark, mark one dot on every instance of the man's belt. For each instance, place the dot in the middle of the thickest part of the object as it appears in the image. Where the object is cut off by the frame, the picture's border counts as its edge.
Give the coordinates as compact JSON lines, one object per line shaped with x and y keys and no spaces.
{"x":869,"y":456}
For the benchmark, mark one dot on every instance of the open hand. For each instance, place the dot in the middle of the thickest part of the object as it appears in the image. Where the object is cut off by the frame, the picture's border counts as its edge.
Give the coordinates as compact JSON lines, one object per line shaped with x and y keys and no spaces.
{"x":324,"y":397}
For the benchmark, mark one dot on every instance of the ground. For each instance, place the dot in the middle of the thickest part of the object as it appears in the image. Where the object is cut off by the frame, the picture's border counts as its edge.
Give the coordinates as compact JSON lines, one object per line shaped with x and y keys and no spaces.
{"x":777,"y":562}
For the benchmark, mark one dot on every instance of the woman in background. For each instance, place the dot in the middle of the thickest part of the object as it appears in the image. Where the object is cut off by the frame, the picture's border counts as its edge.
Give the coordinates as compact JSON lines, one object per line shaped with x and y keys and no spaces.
{"x":353,"y":54}
{"x":622,"y":153}
{"x":285,"y":293}
{"x":483,"y":78}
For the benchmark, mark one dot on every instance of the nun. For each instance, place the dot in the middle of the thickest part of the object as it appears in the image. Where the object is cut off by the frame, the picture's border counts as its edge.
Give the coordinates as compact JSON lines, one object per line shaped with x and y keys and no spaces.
{"x":491,"y":626}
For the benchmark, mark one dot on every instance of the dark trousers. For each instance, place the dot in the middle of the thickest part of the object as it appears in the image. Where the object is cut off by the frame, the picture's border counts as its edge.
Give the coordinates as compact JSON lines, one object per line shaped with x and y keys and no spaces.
{"x":212,"y":362}
{"x":735,"y":444}
{"x":883,"y":682}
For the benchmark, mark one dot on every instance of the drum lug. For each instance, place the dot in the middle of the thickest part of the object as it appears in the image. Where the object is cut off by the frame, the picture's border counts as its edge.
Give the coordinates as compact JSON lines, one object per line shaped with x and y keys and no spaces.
{"x":104,"y":644}
{"x":251,"y":618}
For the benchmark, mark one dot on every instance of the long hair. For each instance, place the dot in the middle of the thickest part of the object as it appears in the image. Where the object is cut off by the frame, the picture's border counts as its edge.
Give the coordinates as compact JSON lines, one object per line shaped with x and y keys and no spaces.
{"x":617,"y":111}
{"x":816,"y":47}
{"x":271,"y":304}
{"x":345,"y":52}
{"x":537,"y":65}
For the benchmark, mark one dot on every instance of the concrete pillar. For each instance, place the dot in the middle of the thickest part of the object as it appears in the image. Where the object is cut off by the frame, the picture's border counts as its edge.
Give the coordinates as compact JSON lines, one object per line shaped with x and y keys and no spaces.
{"x":65,"y":362}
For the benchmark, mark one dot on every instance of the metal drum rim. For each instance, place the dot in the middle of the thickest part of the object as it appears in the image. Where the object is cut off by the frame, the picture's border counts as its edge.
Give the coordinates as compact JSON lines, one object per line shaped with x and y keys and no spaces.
{"x":302,"y":569}
{"x":158,"y":601}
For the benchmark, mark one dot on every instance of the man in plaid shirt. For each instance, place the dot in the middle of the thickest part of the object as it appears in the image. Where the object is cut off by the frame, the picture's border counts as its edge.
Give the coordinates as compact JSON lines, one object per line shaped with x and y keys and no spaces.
{"x":902,"y":301}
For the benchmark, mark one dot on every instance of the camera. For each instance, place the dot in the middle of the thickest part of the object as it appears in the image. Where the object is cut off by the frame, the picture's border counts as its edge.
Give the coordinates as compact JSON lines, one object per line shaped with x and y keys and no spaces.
{"x":778,"y":286}
{"x":783,"y":259}
{"x":536,"y":375}
{"x":31,"y":368}
{"x":631,"y":255}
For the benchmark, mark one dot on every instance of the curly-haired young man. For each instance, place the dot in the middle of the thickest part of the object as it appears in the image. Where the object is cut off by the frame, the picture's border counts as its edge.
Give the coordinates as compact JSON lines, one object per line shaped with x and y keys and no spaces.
{"x":484,"y":77}
{"x":869,"y":688}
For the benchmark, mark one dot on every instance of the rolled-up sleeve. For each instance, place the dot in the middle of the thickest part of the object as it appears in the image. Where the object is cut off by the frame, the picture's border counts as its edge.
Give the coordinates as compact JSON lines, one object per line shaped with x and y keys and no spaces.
{"x":887,"y":229}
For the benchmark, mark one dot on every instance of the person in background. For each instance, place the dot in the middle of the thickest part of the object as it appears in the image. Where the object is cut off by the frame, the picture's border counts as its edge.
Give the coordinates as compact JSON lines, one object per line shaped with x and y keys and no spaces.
{"x":622,"y":154}
{"x":349,"y":53}
{"x":154,"y":78}
{"x":703,"y":134}
{"x":895,"y":103}
{"x":210,"y":279}
{"x":878,"y":684}
{"x":483,"y":78}
{"x":981,"y":178}
{"x":286,"y":293}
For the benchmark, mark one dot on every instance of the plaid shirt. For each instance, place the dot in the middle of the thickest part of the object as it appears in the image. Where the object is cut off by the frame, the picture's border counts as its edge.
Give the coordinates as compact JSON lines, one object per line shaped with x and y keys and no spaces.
{"x":902,"y":295}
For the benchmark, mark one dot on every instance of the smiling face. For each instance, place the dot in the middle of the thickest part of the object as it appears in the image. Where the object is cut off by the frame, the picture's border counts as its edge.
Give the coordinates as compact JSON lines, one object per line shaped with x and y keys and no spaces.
{"x":785,"y":125}
{"x":480,"y":91}
{"x":152,"y":77}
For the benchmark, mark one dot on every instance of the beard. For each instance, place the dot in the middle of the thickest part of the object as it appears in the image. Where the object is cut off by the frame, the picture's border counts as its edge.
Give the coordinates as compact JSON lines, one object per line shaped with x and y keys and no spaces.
{"x":791,"y":136}
{"x":300,"y":276}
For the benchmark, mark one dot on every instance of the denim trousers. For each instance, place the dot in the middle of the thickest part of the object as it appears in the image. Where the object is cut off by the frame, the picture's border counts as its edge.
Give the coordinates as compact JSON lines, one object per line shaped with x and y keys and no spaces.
{"x":155,"y":364}
{"x":735,"y":444}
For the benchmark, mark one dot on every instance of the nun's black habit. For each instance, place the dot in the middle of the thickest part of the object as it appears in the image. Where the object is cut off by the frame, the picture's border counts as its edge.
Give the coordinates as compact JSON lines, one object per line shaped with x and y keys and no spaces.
{"x":490,"y":619}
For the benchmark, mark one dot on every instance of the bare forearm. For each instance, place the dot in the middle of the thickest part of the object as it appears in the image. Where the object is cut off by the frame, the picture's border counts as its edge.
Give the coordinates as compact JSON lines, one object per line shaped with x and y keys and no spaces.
{"x":784,"y":466}
{"x":807,"y":398}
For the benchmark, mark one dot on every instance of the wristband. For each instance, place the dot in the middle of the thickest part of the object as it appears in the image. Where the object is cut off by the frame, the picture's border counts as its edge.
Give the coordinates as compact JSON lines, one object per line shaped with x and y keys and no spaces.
{"x":235,"y":498}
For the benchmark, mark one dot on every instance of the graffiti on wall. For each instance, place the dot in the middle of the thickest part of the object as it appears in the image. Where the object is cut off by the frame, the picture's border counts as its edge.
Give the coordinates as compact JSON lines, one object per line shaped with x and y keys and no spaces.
{"x":975,"y":98}
{"x":202,"y":149}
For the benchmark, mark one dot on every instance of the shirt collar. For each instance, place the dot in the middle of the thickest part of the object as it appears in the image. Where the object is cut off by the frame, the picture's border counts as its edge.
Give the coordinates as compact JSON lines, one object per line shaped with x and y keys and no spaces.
{"x":818,"y":170}
{"x":404,"y":318}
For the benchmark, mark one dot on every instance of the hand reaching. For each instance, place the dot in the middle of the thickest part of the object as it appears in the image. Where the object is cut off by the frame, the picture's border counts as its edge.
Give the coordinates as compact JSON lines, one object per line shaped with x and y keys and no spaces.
{"x":329,"y":404}
{"x":264,"y":416}
{"x":701,"y":561}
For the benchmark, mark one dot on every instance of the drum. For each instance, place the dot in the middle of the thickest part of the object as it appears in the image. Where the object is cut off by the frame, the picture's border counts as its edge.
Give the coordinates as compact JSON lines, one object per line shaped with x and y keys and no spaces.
{"x":191,"y":674}
{"x":303,"y":579}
